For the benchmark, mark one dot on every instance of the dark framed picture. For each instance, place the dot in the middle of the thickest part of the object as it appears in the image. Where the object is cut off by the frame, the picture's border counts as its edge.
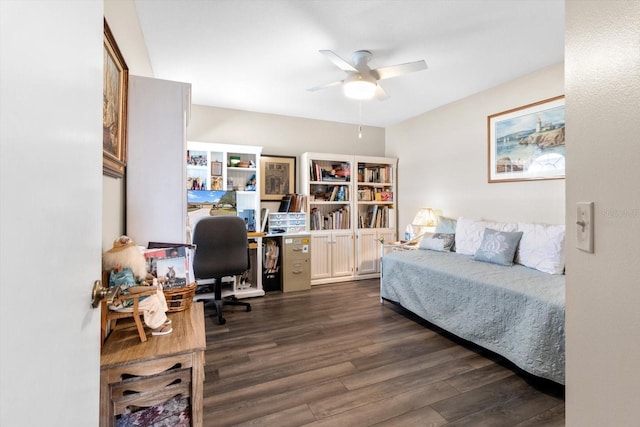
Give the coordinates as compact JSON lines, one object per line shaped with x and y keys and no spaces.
{"x":114,"y":108}
{"x":278,"y":176}
{"x":528,"y":142}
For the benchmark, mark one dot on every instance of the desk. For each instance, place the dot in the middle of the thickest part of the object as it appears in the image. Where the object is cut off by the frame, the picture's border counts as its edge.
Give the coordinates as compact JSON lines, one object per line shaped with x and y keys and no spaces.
{"x":149,"y":373}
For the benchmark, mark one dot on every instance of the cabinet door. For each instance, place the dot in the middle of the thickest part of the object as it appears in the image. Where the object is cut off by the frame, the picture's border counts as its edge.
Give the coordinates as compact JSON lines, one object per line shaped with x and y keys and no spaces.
{"x":321,"y":255}
{"x":342,"y":253}
{"x":156,"y":202}
{"x":367,"y":251}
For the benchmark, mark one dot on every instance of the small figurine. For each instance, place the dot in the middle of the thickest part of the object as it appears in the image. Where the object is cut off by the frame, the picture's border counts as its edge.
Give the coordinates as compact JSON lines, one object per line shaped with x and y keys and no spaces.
{"x":128,"y":269}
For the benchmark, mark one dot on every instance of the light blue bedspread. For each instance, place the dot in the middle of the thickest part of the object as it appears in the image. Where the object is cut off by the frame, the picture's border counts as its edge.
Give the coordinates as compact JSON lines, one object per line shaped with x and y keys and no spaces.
{"x":517,"y":312}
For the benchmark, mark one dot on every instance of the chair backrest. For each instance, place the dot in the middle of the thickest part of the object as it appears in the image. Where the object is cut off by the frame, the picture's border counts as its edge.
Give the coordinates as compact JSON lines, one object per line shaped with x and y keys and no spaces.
{"x":222,"y":248}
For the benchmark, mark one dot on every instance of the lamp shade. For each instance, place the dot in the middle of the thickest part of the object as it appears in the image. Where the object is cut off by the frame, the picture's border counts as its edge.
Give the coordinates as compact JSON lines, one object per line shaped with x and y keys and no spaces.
{"x":424,"y":221}
{"x":426,"y":217}
{"x":358,"y":86}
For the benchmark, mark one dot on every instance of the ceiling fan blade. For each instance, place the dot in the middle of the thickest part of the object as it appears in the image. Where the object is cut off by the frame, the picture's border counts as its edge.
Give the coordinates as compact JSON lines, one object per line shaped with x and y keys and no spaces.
{"x":324,"y":86}
{"x":397,"y":70}
{"x":380,"y":94}
{"x":339,"y":62}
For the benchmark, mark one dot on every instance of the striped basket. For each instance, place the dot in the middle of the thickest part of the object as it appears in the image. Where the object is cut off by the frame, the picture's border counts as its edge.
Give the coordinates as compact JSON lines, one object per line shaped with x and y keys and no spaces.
{"x":179,"y":299}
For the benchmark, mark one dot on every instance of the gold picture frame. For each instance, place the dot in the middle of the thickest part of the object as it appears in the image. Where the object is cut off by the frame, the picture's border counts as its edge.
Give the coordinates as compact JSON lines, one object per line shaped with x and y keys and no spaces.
{"x":528,"y":142}
{"x":278,"y":177}
{"x":114,"y":108}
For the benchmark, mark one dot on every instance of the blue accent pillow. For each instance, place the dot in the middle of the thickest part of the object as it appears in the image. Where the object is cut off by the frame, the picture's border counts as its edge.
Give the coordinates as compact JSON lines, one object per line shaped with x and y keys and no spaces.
{"x":441,"y":242}
{"x":498,"y":247}
{"x":446,"y":225}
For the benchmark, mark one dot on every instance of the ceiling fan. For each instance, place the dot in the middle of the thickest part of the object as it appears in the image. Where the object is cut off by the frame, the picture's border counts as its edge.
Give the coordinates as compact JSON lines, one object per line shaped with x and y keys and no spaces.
{"x":361,"y":81}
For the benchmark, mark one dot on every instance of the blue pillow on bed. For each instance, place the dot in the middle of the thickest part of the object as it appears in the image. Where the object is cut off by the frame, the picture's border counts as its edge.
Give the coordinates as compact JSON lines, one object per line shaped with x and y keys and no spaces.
{"x":446,"y":225}
{"x":441,"y":242}
{"x":498,"y":247}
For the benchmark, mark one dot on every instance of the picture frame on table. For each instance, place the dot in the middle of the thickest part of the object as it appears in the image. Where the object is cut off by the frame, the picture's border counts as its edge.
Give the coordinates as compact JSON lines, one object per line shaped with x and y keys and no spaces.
{"x":278,"y":175}
{"x":114,"y":108}
{"x":528,"y":142}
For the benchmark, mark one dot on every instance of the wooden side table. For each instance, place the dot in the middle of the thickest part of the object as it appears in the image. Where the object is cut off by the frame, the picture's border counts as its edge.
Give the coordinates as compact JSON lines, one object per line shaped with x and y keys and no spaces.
{"x":150,"y":373}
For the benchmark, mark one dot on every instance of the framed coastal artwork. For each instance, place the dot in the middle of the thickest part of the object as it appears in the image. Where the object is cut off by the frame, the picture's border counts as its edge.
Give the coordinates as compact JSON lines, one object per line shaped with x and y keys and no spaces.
{"x":114,"y":108}
{"x":528,"y":142}
{"x":278,"y":176}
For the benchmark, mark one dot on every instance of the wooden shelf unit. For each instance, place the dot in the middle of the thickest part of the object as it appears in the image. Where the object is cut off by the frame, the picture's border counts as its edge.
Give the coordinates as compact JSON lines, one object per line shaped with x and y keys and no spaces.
{"x":351,"y":205}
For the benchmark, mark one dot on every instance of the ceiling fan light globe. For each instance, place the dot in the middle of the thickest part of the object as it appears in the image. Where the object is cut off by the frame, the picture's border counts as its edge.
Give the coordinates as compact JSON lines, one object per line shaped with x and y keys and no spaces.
{"x":360,"y":89}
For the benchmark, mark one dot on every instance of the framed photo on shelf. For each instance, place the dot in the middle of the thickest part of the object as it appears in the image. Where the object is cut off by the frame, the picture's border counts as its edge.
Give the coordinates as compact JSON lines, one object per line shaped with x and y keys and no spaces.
{"x":528,"y":142}
{"x":114,"y":108}
{"x":278,"y":176}
{"x":216,"y":168}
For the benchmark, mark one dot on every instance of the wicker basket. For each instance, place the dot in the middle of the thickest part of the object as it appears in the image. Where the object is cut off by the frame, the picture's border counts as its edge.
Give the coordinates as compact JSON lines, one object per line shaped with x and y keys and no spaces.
{"x":179,"y":299}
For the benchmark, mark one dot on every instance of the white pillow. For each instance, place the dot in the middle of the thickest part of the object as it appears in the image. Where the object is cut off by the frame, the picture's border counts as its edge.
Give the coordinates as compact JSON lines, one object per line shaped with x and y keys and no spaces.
{"x":469,"y":233}
{"x":542,"y":247}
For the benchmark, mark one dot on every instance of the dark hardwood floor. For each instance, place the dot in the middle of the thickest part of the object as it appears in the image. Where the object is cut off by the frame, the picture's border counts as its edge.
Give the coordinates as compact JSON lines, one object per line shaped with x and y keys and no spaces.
{"x":334,"y":356}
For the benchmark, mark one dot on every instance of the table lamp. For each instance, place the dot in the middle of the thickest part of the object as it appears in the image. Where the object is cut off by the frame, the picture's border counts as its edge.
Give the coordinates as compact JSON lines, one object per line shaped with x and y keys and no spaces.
{"x":425,"y":221}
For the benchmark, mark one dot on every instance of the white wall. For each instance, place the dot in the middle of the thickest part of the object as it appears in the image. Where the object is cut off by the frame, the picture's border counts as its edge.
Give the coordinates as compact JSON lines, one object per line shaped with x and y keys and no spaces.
{"x":443,"y":158}
{"x":603,"y":288}
{"x":282,"y":135}
{"x":50,"y":176}
{"x":123,"y":21}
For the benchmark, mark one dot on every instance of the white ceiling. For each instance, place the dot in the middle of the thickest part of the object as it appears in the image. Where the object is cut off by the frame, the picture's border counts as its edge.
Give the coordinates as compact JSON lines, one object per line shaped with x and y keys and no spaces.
{"x":262,"y":55}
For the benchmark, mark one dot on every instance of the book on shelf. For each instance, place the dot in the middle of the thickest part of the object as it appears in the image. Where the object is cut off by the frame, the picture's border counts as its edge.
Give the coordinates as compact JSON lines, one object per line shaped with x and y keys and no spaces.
{"x":264,"y":217}
{"x":339,"y":219}
{"x":293,"y":203}
{"x":374,"y":214}
{"x":298,"y":202}
{"x":315,"y":171}
{"x":334,"y":193}
{"x":375,"y":174}
{"x":285,"y":203}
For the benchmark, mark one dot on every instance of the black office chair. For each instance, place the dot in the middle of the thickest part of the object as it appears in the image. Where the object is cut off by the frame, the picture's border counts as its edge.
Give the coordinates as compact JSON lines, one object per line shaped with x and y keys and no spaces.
{"x":222,"y":249}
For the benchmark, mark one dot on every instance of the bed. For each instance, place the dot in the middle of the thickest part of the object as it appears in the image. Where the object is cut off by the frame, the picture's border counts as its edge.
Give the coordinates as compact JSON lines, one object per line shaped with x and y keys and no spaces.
{"x":514,"y":311}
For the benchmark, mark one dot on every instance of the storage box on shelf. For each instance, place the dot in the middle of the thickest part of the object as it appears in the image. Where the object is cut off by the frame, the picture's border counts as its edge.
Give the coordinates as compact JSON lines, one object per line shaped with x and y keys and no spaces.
{"x":287,"y":222}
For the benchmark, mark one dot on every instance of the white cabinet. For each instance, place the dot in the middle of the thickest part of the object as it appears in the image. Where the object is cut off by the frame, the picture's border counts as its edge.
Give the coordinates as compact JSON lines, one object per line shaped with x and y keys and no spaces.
{"x":158,"y":112}
{"x":351,"y":207}
{"x":219,"y":175}
{"x":331,"y":256}
{"x":375,"y":210}
{"x":328,"y":186}
{"x":368,"y":247}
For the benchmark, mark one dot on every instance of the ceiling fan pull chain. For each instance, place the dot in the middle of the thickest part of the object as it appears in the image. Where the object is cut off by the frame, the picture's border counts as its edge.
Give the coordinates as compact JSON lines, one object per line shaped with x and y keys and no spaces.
{"x":360,"y":126}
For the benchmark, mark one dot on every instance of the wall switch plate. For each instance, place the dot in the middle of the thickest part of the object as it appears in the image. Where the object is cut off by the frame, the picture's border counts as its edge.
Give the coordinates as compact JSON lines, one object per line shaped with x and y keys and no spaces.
{"x":584,"y":224}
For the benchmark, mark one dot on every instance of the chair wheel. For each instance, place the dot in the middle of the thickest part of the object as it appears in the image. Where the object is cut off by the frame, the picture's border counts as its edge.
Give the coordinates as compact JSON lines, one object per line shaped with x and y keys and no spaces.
{"x":222,"y":321}
{"x":248,"y":308}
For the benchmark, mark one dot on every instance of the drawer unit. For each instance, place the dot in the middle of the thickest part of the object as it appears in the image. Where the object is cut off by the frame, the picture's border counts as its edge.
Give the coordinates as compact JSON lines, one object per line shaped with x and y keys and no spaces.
{"x":296,"y":263}
{"x":287,"y":222}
